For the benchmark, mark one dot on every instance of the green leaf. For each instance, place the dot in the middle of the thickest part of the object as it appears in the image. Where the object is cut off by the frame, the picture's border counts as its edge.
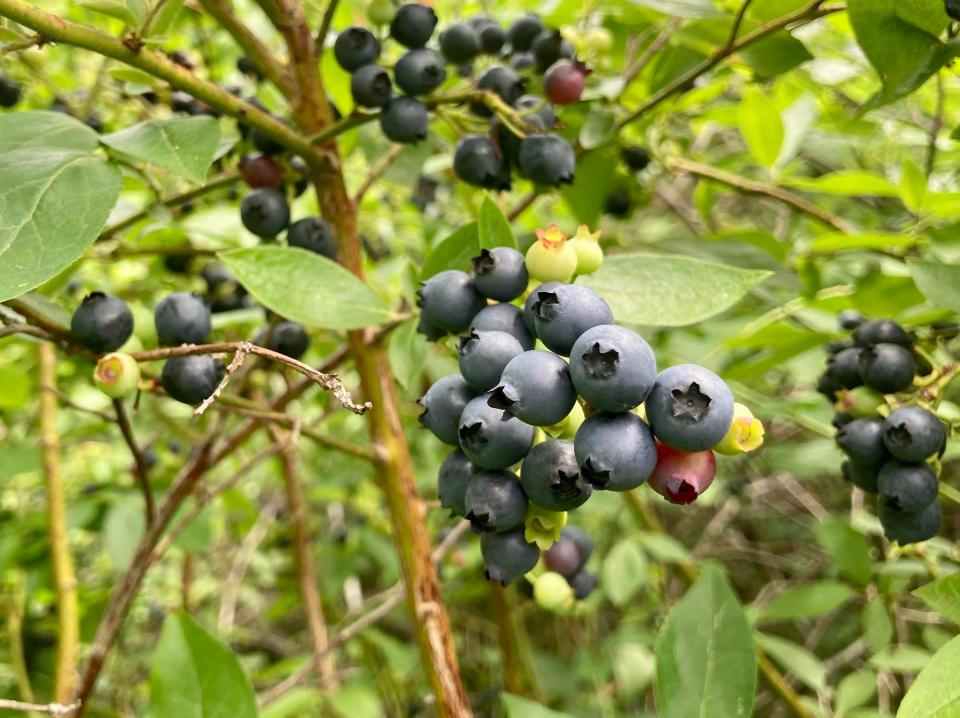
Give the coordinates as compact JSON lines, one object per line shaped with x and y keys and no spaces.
{"x":847,"y":548}
{"x":669,"y":290}
{"x":194,"y":676}
{"x":807,"y":601}
{"x":665,"y":548}
{"x":597,"y":128}
{"x":775,"y":55}
{"x":901,"y":659}
{"x":706,"y":660}
{"x":129,"y":11}
{"x":591,"y":184}
{"x":851,"y":183}
{"x":454,"y":252}
{"x":517,"y":707}
{"x":633,"y":668}
{"x":913,"y":185}
{"x":306,"y":287}
{"x":682,"y":8}
{"x":761,"y":126}
{"x":492,"y":227}
{"x":122,"y":529}
{"x":796,"y":660}
{"x":183,"y":145}
{"x":841,"y":242}
{"x":55,"y":197}
{"x":18,"y":388}
{"x":624,"y":572}
{"x":408,"y":353}
{"x":855,"y":690}
{"x":936,"y":691}
{"x":943,"y":596}
{"x":877,"y":626}
{"x":939,"y":282}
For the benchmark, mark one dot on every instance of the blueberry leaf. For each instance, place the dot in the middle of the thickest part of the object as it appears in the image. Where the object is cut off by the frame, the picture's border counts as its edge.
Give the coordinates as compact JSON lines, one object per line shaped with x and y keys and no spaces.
{"x":943,"y":596}
{"x":706,"y":660}
{"x":306,"y":287}
{"x":185,"y":146}
{"x":493,"y":228}
{"x":936,"y":691}
{"x":669,"y":290}
{"x":55,"y":197}
{"x":453,"y":252}
{"x":624,"y":572}
{"x":796,"y":660}
{"x":517,"y":707}
{"x":194,"y":676}
{"x":939,"y":282}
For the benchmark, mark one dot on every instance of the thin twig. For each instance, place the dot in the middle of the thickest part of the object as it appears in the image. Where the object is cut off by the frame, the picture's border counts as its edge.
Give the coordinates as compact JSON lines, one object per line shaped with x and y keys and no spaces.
{"x":377,"y":171}
{"x":24,"y":43}
{"x":659,"y":42}
{"x":141,"y":470}
{"x":56,"y":709}
{"x":737,"y":22}
{"x":936,"y":126}
{"x":325,"y":24}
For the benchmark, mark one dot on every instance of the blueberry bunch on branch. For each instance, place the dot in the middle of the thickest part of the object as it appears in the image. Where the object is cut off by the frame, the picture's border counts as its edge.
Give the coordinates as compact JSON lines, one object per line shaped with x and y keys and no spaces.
{"x":886,"y":425}
{"x":548,"y":381}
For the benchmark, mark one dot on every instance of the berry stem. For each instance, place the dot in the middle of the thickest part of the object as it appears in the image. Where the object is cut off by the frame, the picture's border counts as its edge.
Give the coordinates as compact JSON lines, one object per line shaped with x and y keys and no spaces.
{"x":519,"y":672}
{"x":140,"y":470}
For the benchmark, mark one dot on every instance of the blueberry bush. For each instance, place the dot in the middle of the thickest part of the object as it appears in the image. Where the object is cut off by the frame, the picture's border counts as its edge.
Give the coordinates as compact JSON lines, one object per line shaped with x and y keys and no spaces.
{"x":455,"y":359}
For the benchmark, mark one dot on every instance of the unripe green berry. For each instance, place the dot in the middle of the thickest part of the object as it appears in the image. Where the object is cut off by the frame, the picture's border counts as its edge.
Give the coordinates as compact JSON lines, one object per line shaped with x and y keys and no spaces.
{"x":597,"y":40}
{"x":551,"y":258}
{"x":860,"y":403}
{"x":552,"y":592}
{"x":117,"y":375}
{"x":745,"y":433}
{"x":381,"y":12}
{"x":587,"y":247}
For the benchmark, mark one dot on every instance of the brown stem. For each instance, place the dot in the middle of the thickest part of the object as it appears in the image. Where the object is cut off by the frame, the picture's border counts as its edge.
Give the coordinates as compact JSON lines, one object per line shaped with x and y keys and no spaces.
{"x":519,"y":674}
{"x":377,"y":171}
{"x":55,"y":709}
{"x":325,"y":24}
{"x":68,"y":620}
{"x":935,"y":126}
{"x":141,"y":470}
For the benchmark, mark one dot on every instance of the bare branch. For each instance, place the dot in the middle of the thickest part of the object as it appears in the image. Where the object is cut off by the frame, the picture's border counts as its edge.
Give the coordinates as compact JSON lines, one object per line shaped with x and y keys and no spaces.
{"x":55,"y":709}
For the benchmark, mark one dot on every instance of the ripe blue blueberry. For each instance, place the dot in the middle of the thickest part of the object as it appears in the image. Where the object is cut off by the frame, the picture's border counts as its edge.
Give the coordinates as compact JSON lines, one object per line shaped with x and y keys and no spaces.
{"x":862,"y":441}
{"x":427,"y":328}
{"x":550,"y":476}
{"x":288,"y":338}
{"x":443,"y":404}
{"x":490,"y":437}
{"x":528,"y":318}
{"x":459,"y":43}
{"x":492,"y":37}
{"x":182,"y":318}
{"x":547,"y":159}
{"x":881,"y":331}
{"x":612,"y":368}
{"x":504,"y":318}
{"x":507,"y":555}
{"x":862,"y":476}
{"x":483,"y":357}
{"x":456,"y":472}
{"x":502,"y":81}
{"x":355,"y":47}
{"x":313,"y":234}
{"x":500,"y":273}
{"x":887,"y":368}
{"x":570,"y":553}
{"x":405,"y":120}
{"x":547,"y":48}
{"x":690,"y":408}
{"x":450,"y":299}
{"x":523,"y":61}
{"x":10,"y":91}
{"x":419,"y":72}
{"x":371,"y":86}
{"x":906,"y":527}
{"x":907,"y":487}
{"x":583,"y":584}
{"x":913,"y":434}
{"x":615,"y":452}
{"x":265,"y":212}
{"x":102,"y":323}
{"x":495,"y":501}
{"x":562,"y":314}
{"x":850,"y":319}
{"x":844,"y":367}
{"x":521,"y":33}
{"x":535,"y":387}
{"x":477,"y":161}
{"x":191,"y":379}
{"x":413,"y":25}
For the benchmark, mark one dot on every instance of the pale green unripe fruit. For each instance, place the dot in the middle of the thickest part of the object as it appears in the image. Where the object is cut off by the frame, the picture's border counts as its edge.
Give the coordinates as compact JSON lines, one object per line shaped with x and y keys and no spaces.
{"x":381,"y":12}
{"x":117,"y":375}
{"x":587,"y":247}
{"x":551,"y":258}
{"x":598,"y":39}
{"x":552,"y":592}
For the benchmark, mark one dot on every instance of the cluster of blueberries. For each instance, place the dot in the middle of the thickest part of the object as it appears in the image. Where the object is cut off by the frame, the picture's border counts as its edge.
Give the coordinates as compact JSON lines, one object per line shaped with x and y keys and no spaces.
{"x":527,"y":46}
{"x":104,"y":325}
{"x":512,"y":402}
{"x":888,"y":451}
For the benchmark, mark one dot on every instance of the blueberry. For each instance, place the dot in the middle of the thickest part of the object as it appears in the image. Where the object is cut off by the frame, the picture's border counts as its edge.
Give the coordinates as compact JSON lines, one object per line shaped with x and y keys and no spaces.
{"x":261,"y":171}
{"x":881,"y":331}
{"x":456,"y":472}
{"x":216,"y":276}
{"x":612,"y":368}
{"x":443,"y":404}
{"x":570,"y":553}
{"x":906,"y":527}
{"x":615,"y":451}
{"x":10,"y":92}
{"x":246,"y":66}
{"x":265,"y":212}
{"x":355,"y":47}
{"x":405,"y":120}
{"x":850,"y":319}
{"x":841,"y":419}
{"x":492,"y":438}
{"x":459,"y":43}
{"x":523,"y":61}
{"x":492,"y":37}
{"x":828,"y":385}
{"x":907,"y":487}
{"x":419,"y":71}
{"x":413,"y":25}
{"x":550,"y":476}
{"x":371,"y":86}
{"x":634,"y":157}
{"x":289,"y":339}
{"x":483,"y":357}
{"x":537,"y":111}
{"x":583,"y":584}
{"x":535,"y":388}
{"x":478,"y":161}
{"x":690,"y":408}
{"x":191,"y":379}
{"x":450,"y":299}
{"x":952,"y":8}
{"x":887,"y":368}
{"x":427,"y":328}
{"x":500,"y":273}
{"x":860,"y":475}
{"x":102,"y":323}
{"x":844,"y":366}
{"x":182,"y":318}
{"x":495,"y":501}
{"x":547,"y":160}
{"x":562,"y":314}
{"x":313,"y":234}
{"x":504,"y":318}
{"x":504,"y":82}
{"x":862,"y":441}
{"x":546,"y":48}
{"x":913,"y":434}
{"x":680,"y":477}
{"x":528,"y":318}
{"x":618,"y":204}
{"x":507,"y":555}
{"x":521,"y":33}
